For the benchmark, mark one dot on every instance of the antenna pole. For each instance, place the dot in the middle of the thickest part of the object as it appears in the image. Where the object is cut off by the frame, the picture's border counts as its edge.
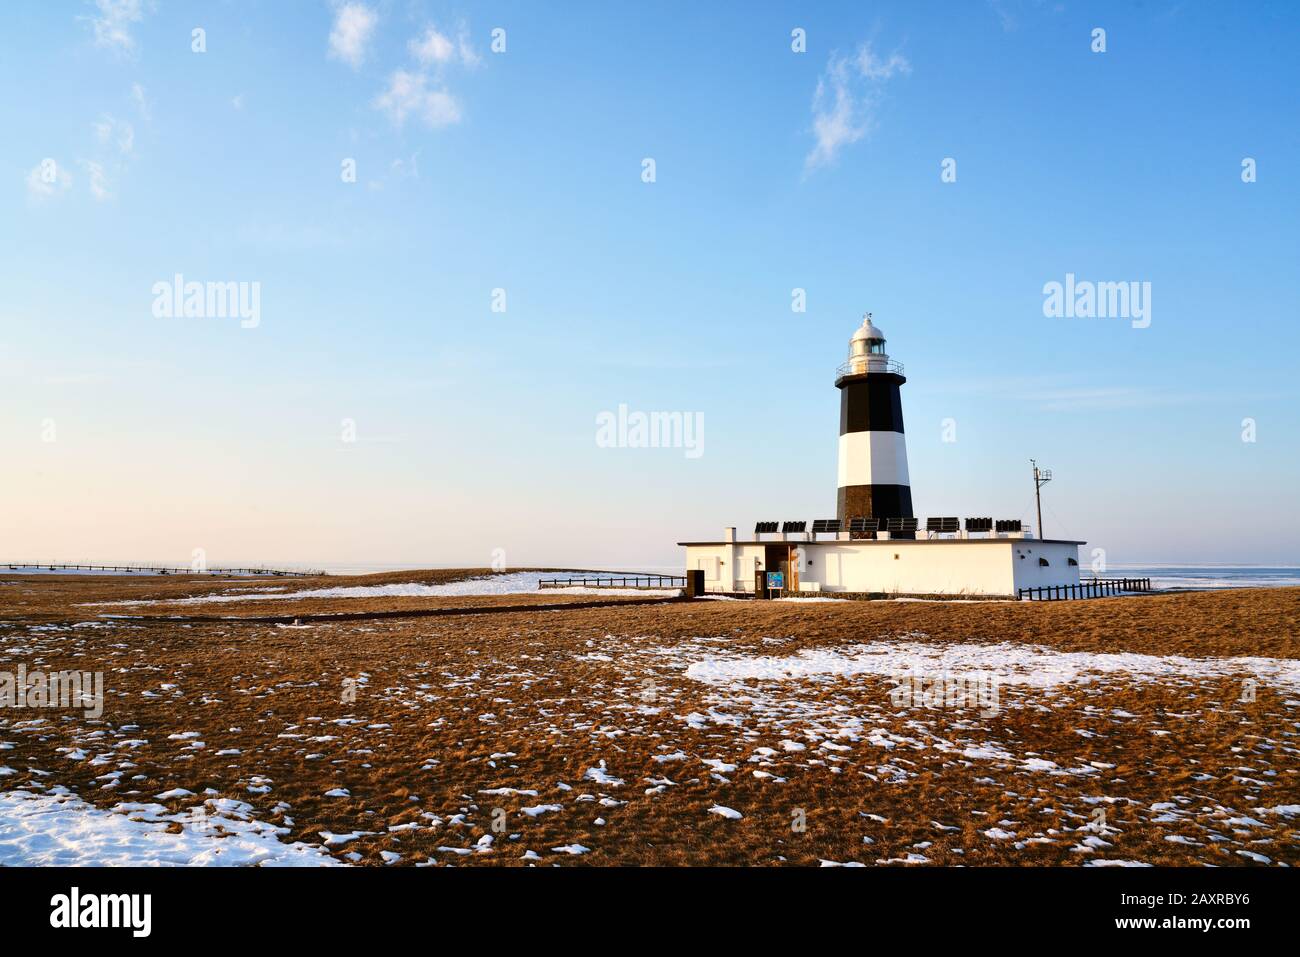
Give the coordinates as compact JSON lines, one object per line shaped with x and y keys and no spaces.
{"x":1041,"y":478}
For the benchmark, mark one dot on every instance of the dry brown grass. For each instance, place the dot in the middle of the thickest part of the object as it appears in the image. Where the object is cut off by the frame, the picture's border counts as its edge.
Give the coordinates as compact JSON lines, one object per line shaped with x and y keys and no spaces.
{"x":452,"y":707}
{"x":52,"y":598}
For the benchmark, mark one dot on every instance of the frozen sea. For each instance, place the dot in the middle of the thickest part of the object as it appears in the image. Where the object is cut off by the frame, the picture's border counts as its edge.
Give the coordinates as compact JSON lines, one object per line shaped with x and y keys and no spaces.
{"x":1207,"y":576}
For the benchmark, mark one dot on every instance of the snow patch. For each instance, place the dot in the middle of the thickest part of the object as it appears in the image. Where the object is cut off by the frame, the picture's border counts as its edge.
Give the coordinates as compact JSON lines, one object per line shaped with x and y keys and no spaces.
{"x":58,"y":829}
{"x":509,"y":583}
{"x":1031,"y":665}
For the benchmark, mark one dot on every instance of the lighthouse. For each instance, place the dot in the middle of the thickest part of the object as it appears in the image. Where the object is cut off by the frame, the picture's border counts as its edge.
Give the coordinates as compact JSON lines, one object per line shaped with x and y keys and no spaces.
{"x":861,"y":555}
{"x":873,"y":481}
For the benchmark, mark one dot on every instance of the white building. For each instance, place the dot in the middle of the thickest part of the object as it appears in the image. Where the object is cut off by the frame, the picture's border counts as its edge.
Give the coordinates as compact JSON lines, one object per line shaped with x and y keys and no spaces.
{"x":875,"y":545}
{"x":995,"y":565}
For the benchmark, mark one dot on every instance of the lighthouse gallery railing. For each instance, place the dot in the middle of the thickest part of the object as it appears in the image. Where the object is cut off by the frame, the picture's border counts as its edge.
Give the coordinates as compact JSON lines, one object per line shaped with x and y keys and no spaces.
{"x":848,"y":368}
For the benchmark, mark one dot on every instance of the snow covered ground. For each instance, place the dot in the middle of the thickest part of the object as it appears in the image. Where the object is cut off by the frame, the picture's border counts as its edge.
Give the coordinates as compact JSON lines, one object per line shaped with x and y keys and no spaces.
{"x":59,"y":829}
{"x":506,"y":583}
{"x":1015,"y":664}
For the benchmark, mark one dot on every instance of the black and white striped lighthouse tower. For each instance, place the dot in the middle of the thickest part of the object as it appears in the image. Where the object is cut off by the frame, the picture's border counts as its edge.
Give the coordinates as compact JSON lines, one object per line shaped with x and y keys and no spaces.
{"x":873,"y":480}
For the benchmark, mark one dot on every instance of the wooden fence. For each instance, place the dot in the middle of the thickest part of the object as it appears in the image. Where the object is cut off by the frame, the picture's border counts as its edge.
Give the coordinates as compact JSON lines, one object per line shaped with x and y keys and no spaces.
{"x":1091,"y":588}
{"x":160,"y":569}
{"x":617,"y":581}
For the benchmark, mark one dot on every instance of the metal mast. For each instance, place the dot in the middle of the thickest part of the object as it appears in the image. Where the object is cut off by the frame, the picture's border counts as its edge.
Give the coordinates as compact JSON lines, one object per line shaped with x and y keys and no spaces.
{"x":1041,"y":478}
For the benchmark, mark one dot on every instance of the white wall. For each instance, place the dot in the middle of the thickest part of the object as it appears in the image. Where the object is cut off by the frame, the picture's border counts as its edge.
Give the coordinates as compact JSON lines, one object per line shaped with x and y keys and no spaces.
{"x":912,"y":568}
{"x":976,"y":567}
{"x":1030,"y":574}
{"x":726,"y":567}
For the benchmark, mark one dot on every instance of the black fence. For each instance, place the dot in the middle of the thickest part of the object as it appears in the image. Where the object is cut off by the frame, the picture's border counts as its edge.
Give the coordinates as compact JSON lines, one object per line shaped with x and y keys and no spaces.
{"x":1090,"y":588}
{"x":619,"y":581}
{"x":162,"y":570}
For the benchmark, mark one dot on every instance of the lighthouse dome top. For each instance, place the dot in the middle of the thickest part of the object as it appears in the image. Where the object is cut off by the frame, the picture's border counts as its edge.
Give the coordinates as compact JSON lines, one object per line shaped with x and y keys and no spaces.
{"x":867,"y":352}
{"x":868,"y":331}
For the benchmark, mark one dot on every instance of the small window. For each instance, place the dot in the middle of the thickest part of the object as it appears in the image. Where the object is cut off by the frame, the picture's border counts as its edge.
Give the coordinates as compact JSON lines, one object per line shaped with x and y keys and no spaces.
{"x":1043,"y":562}
{"x":895,"y":556}
{"x":1072,"y":561}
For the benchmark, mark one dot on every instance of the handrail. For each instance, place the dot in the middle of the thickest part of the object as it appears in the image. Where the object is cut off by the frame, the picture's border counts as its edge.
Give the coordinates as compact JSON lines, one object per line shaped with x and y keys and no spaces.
{"x":863,"y":365}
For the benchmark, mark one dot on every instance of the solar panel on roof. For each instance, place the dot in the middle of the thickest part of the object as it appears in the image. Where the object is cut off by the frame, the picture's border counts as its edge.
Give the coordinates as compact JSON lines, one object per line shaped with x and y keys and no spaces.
{"x":1008,"y":525}
{"x":979,"y":524}
{"x":857,"y":524}
{"x":794,"y":527}
{"x":761,"y":528}
{"x":826,"y":525}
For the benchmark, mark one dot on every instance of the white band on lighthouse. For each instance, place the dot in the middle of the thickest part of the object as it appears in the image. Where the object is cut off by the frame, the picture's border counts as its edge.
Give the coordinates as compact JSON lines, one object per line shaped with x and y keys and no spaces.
{"x":873,"y":458}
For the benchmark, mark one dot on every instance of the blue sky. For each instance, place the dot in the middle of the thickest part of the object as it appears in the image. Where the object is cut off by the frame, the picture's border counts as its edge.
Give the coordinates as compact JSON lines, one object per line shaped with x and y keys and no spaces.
{"x":134,"y":436}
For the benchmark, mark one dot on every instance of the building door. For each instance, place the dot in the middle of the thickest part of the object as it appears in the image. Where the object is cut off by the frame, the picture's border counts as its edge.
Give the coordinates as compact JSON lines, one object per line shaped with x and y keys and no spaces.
{"x":783,"y":557}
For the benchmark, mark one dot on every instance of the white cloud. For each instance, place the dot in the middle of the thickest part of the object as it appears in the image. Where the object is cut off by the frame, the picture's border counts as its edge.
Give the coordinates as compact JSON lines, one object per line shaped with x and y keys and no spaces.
{"x":433,"y":47}
{"x":47,"y":178}
{"x":408,"y":95}
{"x":1004,"y":15}
{"x":115,"y":132}
{"x":141,"y":102}
{"x":354,"y":24}
{"x":468,"y":55}
{"x":874,"y":68}
{"x":113,"y":24}
{"x":844,"y":102}
{"x":404,"y":167}
{"x":98,"y":180}
{"x":836,"y":122}
{"x":436,"y":48}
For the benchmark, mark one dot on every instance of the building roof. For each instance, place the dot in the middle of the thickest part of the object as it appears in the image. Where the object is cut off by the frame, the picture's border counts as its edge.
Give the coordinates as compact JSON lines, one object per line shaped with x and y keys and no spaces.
{"x":895,"y":541}
{"x":868,"y":331}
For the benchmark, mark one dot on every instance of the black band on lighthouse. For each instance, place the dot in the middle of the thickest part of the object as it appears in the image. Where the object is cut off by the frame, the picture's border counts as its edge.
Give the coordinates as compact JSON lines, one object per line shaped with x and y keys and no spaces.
{"x":871,"y":403}
{"x":873,"y":477}
{"x":873,"y":501}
